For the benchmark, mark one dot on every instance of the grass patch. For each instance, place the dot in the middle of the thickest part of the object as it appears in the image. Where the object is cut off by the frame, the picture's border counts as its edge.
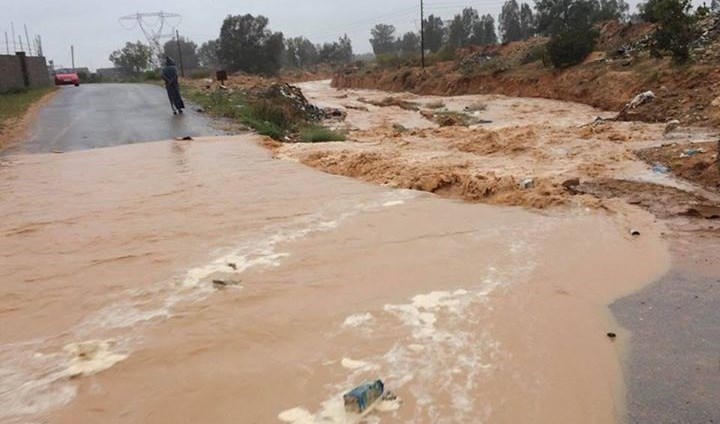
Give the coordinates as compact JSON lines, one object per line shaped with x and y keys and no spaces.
{"x":272,"y":117}
{"x":14,"y":104}
{"x":319,"y":134}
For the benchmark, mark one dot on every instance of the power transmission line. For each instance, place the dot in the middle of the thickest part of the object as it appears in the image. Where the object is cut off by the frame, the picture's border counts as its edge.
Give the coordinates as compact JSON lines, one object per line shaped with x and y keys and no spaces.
{"x":155,"y":26}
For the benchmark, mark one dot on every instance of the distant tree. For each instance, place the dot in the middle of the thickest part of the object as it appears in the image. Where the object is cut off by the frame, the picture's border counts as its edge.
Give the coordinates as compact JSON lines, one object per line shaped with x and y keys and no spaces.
{"x":409,"y":45}
{"x":189,"y":52}
{"x":337,"y":52}
{"x":569,"y":23}
{"x":300,"y":53}
{"x":509,"y":21}
{"x":527,"y":22}
{"x":558,"y":16}
{"x":208,"y":54}
{"x":134,"y":58}
{"x":246,"y":44}
{"x":702,"y":11}
{"x":435,"y":33}
{"x":461,"y":28}
{"x":715,"y":6}
{"x":383,"y":39}
{"x":484,"y":31}
{"x":676,"y":27}
{"x":607,"y":10}
{"x":571,"y":46}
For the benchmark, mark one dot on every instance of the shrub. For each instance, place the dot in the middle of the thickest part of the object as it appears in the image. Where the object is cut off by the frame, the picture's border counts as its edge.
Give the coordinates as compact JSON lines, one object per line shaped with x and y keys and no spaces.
{"x":535,"y":53}
{"x":676,"y":27}
{"x":200,"y":74}
{"x":318,"y":134}
{"x":571,"y":47}
{"x":153,"y":75}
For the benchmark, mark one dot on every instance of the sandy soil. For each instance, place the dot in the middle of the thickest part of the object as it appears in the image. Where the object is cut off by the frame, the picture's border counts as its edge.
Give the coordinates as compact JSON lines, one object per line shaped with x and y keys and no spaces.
{"x":530,"y":152}
{"x":16,"y":128}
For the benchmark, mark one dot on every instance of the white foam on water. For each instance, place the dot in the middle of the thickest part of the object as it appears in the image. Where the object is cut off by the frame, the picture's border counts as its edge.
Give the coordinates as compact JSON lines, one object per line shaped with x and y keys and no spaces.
{"x":446,"y":353}
{"x":393,"y":203}
{"x":355,"y":365}
{"x":32,"y":383}
{"x":296,"y":416}
{"x":357,"y":320}
{"x":92,"y":357}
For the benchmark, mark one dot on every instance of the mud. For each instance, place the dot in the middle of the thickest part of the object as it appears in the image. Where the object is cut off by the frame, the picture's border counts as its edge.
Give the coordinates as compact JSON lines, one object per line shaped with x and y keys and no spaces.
{"x":524,"y":156}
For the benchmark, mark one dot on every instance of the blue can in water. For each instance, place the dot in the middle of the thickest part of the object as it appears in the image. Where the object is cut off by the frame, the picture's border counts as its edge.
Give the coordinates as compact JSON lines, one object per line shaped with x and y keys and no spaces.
{"x":362,"y":397}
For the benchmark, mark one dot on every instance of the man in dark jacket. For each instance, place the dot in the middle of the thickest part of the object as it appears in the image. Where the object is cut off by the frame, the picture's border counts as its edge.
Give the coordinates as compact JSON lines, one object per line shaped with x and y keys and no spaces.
{"x":172,"y":85}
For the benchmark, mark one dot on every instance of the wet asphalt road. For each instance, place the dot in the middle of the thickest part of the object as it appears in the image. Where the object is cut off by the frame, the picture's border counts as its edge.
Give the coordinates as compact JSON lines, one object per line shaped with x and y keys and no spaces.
{"x":673,"y":372}
{"x":104,"y":115}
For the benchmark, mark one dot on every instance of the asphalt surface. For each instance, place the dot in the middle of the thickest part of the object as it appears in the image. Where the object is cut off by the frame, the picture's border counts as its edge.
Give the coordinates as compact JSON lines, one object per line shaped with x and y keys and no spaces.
{"x":673,"y":370}
{"x":104,"y":115}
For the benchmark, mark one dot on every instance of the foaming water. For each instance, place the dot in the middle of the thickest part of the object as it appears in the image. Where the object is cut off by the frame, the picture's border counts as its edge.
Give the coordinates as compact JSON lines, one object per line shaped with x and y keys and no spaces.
{"x":230,"y":287}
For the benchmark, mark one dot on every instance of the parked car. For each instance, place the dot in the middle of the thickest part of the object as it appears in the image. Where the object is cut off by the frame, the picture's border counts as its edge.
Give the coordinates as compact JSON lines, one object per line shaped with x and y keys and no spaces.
{"x":67,"y":77}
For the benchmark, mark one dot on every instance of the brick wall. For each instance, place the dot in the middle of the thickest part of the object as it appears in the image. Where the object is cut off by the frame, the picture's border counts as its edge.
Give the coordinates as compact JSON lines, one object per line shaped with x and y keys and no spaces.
{"x":11,"y":75}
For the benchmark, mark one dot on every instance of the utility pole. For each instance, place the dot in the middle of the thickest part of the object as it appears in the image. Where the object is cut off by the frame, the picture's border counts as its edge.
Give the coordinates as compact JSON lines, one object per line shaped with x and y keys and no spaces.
{"x":27,"y":38}
{"x":12,"y":30}
{"x":22,"y":49}
{"x":182,"y":66}
{"x":422,"y":33}
{"x":7,"y":44}
{"x":72,"y":56}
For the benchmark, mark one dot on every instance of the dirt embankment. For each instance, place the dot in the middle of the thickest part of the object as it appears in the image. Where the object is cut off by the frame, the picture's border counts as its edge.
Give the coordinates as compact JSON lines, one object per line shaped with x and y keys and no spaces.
{"x":608,"y":79}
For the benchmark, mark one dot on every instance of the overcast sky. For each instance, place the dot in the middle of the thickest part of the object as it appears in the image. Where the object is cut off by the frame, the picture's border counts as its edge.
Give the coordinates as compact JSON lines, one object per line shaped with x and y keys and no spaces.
{"x":92,"y":26}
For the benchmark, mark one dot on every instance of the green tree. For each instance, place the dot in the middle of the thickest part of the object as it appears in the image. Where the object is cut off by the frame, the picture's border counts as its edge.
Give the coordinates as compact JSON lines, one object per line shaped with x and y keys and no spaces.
{"x":208,"y":54}
{"x":133,"y":59}
{"x":246,"y":44}
{"x":189,"y":52}
{"x":409,"y":45}
{"x":300,"y":53}
{"x":527,"y":22}
{"x":559,"y":16}
{"x":337,"y":52}
{"x":434,"y":33}
{"x":383,"y":39}
{"x":462,"y":27}
{"x":608,"y":10}
{"x":675,"y":27}
{"x":484,"y":32}
{"x":509,"y":21}
{"x":569,"y":23}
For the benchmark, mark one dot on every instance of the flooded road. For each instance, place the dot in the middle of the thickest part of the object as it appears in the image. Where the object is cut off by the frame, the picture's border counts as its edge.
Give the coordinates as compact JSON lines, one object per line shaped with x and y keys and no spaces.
{"x":103,"y":115}
{"x":469,"y":313}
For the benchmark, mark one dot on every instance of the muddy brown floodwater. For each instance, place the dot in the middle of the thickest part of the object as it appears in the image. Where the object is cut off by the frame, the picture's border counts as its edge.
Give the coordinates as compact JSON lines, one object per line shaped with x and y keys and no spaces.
{"x":468,"y":312}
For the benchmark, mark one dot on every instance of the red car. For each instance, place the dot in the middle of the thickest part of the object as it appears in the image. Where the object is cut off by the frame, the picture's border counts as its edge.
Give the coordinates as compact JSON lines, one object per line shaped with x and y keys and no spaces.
{"x":67,"y":77}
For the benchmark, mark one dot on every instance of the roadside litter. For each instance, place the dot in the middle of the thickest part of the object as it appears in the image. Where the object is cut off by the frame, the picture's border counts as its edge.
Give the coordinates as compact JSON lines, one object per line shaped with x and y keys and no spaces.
{"x":364,"y":397}
{"x":659,"y":168}
{"x":691,"y":152}
{"x":527,"y":183}
{"x":223,"y":284}
{"x":637,"y":101}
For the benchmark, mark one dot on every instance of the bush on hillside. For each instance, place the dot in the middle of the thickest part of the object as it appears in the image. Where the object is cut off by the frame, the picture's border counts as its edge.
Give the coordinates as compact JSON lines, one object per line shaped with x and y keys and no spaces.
{"x":571,"y":47}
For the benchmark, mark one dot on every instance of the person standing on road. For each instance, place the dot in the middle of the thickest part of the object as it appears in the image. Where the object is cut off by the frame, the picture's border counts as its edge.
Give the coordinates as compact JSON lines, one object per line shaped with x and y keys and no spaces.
{"x":172,"y":85}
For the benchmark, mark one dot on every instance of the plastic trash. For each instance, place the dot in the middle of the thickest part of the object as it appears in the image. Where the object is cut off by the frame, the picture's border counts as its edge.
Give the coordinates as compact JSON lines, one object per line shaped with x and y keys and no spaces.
{"x":527,"y":183}
{"x":660,"y":169}
{"x":359,"y":399}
